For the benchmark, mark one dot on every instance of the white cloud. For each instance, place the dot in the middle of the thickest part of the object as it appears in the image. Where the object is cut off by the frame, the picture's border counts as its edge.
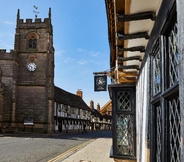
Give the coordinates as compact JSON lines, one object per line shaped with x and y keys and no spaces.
{"x":91,"y":53}
{"x":81,"y":62}
{"x":59,"y":52}
{"x":7,"y":22}
{"x":94,"y":54}
{"x":96,"y":62}
{"x":68,"y":60}
{"x":81,"y":50}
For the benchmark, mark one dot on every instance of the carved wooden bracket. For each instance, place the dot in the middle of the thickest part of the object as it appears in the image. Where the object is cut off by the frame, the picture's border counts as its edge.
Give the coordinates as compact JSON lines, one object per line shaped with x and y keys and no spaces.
{"x":131,"y":49}
{"x":133,"y":36}
{"x":138,"y":16}
{"x":129,"y":58}
{"x":128,"y":67}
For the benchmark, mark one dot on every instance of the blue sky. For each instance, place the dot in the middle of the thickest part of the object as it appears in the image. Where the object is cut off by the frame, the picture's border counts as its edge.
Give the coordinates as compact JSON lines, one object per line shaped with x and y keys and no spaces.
{"x":80,"y":39}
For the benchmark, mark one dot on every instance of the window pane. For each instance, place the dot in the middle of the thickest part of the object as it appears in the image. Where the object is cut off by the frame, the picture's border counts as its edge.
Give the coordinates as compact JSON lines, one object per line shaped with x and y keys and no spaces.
{"x":158,"y":134}
{"x":157,"y":73}
{"x":124,"y":101}
{"x":173,"y":56}
{"x":125,"y":140}
{"x":32,"y":43}
{"x":174,"y":134}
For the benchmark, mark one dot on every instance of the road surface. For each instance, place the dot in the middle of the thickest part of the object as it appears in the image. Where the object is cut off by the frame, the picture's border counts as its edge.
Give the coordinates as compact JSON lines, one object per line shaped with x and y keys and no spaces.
{"x":42,"y":148}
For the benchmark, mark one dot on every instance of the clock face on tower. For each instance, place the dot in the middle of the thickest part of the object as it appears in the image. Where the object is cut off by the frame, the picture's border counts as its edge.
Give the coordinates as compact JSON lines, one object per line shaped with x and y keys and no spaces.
{"x":31,"y":66}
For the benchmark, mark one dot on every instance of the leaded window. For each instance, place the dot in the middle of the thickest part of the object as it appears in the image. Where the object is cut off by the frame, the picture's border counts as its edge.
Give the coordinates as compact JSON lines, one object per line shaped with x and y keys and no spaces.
{"x":125,"y":142}
{"x":124,"y":101}
{"x":173,"y":56}
{"x":167,"y":122}
{"x":158,"y":134}
{"x":174,"y":130}
{"x":123,"y":106}
{"x":156,"y":72}
{"x":165,"y":110}
{"x":125,"y":139}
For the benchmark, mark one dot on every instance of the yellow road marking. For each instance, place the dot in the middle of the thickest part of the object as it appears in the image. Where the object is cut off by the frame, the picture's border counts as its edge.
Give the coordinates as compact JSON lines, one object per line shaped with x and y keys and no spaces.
{"x":70,"y":151}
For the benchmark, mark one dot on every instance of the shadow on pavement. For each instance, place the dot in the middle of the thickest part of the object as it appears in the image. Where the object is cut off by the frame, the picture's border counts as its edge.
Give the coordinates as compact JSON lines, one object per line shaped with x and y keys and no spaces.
{"x":62,"y":135}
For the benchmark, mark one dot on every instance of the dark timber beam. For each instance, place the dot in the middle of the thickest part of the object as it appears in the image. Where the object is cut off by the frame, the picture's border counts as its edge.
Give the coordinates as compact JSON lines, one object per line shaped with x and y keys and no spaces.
{"x":129,"y":58}
{"x":98,"y":73}
{"x":138,"y":16}
{"x":133,"y":36}
{"x":131,"y":49}
{"x":128,"y":67}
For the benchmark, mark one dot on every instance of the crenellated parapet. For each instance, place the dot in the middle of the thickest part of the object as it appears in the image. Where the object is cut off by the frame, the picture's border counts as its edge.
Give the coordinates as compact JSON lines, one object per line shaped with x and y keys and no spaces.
{"x":46,"y":21}
{"x":12,"y":55}
{"x":21,"y":23}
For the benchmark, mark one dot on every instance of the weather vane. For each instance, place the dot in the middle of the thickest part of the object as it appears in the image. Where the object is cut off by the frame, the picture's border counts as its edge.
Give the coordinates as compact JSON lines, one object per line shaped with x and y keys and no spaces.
{"x":36,"y":11}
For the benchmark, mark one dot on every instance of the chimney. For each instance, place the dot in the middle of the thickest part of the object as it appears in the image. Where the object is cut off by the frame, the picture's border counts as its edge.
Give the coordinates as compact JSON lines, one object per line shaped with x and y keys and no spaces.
{"x":98,"y":107}
{"x":79,"y":93}
{"x":92,"y":104}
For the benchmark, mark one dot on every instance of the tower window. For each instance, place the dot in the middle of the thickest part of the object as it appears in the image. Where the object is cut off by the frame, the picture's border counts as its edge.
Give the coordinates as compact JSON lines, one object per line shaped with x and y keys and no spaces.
{"x":32,"y":42}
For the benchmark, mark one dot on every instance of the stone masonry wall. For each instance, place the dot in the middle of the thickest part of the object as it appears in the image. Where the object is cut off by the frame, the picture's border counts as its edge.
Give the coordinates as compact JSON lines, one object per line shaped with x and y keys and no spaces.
{"x":31,"y":102}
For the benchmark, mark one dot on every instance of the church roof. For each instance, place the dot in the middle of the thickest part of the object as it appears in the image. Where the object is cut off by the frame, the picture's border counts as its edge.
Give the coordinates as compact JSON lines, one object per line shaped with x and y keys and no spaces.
{"x":70,"y":99}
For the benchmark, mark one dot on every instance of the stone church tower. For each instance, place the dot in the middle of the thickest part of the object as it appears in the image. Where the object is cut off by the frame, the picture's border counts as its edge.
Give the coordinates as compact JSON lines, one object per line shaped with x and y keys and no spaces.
{"x":30,"y":84}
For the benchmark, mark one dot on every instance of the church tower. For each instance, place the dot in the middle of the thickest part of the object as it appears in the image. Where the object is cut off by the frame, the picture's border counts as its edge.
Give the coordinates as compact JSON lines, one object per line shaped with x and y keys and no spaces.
{"x":35,"y":74}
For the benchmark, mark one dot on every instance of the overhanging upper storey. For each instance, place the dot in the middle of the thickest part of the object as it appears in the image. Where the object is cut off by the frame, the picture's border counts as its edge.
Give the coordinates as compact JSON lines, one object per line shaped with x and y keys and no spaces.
{"x":130,"y":23}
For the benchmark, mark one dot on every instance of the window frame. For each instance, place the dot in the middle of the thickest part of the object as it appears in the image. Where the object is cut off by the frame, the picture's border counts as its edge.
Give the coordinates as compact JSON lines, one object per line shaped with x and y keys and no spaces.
{"x":114,"y":89}
{"x":157,"y":50}
{"x":32,"y":41}
{"x":167,"y":93}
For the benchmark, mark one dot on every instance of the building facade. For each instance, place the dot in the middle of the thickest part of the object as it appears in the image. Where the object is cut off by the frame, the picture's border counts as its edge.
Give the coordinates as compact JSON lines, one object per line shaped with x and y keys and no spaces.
{"x":99,"y":121}
{"x":70,"y":111}
{"x":107,"y":108}
{"x":146,"y":52}
{"x":27,"y":77}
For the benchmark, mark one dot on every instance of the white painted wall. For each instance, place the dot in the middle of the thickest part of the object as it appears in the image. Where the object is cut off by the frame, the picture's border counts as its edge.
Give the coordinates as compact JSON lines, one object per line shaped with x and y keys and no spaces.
{"x":142,"y":99}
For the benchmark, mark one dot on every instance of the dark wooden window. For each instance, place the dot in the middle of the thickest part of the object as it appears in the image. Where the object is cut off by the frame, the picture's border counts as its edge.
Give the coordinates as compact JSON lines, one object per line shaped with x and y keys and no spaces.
{"x":158,"y":132}
{"x":156,"y":70}
{"x":174,"y":129}
{"x":123,"y":106}
{"x":33,"y":42}
{"x":165,"y":107}
{"x":173,"y":56}
{"x":171,"y":95}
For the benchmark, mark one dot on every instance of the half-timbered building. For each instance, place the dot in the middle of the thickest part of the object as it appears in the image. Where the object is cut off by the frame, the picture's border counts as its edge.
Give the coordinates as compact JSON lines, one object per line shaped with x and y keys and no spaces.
{"x":99,"y":121}
{"x":71,"y":113}
{"x":107,"y":108}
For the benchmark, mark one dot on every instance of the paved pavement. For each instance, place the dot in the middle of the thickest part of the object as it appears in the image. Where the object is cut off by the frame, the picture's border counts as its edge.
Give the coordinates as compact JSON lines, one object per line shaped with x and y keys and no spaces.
{"x":98,"y":150}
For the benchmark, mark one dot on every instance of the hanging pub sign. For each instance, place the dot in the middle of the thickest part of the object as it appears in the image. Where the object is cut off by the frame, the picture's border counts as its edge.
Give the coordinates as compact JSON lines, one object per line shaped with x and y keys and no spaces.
{"x":100,"y":83}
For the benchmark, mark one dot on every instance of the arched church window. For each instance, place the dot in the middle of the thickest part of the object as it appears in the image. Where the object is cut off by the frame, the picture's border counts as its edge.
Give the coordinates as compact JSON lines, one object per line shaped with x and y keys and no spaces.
{"x":32,"y":42}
